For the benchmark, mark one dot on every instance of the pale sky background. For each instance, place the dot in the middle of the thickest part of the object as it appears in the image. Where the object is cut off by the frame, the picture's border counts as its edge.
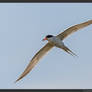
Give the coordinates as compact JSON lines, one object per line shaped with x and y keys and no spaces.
{"x":22,"y":28}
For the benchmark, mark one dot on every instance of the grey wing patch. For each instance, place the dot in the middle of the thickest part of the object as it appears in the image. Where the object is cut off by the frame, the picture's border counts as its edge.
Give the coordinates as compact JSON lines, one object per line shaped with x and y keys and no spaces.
{"x":72,"y":29}
{"x":35,"y":59}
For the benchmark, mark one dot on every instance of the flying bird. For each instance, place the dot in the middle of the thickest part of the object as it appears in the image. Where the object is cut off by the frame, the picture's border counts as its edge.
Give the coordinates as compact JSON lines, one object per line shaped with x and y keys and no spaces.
{"x":56,"y":41}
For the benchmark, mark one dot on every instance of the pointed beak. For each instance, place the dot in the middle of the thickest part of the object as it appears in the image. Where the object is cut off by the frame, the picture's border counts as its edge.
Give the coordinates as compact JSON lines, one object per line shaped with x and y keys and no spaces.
{"x":44,"y":39}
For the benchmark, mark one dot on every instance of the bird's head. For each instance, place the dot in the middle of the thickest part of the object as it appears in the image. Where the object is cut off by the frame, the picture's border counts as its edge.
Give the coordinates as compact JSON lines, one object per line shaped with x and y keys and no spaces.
{"x":47,"y":37}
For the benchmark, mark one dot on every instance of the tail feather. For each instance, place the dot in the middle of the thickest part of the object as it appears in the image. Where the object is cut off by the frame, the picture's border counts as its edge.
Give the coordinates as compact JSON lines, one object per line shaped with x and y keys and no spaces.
{"x":69,"y":51}
{"x":72,"y":52}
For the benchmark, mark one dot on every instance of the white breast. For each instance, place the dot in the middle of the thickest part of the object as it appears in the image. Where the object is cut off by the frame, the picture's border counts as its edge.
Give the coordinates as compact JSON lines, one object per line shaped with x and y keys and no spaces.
{"x":56,"y":41}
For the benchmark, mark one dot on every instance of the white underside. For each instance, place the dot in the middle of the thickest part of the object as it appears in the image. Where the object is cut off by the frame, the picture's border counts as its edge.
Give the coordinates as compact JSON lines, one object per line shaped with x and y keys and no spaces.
{"x":56,"y":41}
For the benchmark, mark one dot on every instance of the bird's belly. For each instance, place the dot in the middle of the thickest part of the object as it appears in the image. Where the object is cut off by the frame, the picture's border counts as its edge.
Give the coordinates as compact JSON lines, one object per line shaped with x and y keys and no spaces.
{"x":56,"y":42}
{"x":59,"y":44}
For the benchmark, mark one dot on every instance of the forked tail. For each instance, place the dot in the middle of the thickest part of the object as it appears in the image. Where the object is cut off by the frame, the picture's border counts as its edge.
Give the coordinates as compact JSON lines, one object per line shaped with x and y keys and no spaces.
{"x":69,"y":51}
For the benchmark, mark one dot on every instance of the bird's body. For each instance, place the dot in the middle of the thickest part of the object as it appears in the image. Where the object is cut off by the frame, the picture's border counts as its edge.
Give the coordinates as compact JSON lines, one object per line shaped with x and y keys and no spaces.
{"x":56,"y":41}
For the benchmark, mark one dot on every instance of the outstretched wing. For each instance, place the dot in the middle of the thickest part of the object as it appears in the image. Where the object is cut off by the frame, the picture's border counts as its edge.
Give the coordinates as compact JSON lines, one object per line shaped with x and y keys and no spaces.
{"x":35,"y":59}
{"x":72,"y":29}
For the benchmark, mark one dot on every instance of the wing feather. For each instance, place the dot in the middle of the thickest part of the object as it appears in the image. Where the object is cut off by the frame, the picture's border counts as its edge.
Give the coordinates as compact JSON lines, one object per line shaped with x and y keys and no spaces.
{"x":74,"y":28}
{"x":35,"y":59}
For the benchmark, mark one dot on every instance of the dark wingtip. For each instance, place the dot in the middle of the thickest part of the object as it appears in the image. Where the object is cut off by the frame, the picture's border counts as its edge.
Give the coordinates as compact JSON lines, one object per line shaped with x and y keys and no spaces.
{"x":18,"y":79}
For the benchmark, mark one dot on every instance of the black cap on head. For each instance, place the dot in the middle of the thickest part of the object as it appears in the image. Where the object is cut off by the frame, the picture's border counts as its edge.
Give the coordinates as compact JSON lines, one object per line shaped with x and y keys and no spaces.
{"x":49,"y":36}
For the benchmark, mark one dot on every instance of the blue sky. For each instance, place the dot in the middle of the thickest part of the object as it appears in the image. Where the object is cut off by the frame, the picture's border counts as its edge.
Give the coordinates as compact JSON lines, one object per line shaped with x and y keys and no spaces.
{"x":22,"y":28}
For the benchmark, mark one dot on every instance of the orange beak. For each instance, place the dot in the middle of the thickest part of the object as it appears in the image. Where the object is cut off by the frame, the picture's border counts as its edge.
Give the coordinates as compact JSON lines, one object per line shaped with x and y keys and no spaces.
{"x":44,"y":39}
